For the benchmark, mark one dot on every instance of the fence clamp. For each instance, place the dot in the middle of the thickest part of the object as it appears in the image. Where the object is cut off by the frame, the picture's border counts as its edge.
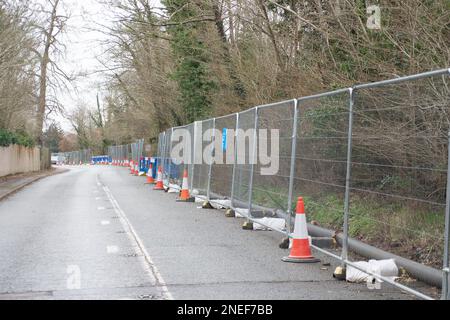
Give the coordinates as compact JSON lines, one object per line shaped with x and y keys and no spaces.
{"x":446,"y":270}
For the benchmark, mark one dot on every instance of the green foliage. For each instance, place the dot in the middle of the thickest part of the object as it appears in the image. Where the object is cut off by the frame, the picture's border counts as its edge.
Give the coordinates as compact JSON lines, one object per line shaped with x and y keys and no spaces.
{"x":192,"y":72}
{"x":327,"y":211}
{"x":19,"y":137}
{"x":5,"y":138}
{"x":52,"y":137}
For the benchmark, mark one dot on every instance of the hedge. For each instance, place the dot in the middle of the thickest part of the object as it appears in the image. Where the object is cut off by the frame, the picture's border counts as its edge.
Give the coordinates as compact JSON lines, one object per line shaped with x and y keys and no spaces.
{"x":19,"y":137}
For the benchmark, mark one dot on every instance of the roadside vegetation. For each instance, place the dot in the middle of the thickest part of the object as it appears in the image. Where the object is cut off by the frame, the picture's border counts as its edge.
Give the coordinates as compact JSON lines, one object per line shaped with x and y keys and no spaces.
{"x":411,"y":231}
{"x":20,"y":138}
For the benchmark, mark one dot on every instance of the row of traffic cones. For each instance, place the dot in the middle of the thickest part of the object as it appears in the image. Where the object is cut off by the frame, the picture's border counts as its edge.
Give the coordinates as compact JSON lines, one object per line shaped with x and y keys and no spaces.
{"x":300,"y":249}
{"x":184,"y":193}
{"x":120,"y":163}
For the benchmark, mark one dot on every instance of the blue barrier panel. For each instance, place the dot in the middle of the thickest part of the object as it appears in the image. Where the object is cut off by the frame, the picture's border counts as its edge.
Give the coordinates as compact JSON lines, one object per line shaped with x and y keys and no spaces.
{"x":155,"y":162}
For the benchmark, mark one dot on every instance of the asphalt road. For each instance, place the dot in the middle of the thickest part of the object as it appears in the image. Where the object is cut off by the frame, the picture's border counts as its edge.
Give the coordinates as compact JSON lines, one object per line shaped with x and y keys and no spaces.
{"x":100,"y":233}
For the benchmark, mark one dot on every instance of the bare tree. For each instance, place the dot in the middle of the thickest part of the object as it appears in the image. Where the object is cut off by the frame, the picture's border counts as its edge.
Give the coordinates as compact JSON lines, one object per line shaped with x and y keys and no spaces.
{"x":17,"y":65}
{"x":55,"y":26}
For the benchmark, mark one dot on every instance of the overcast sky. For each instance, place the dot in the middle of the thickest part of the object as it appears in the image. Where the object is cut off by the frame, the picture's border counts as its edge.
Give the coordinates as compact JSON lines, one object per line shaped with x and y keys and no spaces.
{"x":83,"y":47}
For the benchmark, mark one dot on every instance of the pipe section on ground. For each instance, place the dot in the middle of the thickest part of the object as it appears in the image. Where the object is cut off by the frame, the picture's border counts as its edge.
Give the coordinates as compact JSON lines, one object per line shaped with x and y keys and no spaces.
{"x":419,"y":271}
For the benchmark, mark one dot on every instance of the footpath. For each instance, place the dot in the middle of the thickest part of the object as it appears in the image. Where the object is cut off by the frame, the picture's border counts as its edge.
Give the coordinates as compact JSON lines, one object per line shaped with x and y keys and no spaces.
{"x":13,"y":183}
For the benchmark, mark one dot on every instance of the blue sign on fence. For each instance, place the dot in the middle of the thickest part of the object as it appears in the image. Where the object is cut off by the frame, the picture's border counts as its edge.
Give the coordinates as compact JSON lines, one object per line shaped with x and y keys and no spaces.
{"x":224,"y":139}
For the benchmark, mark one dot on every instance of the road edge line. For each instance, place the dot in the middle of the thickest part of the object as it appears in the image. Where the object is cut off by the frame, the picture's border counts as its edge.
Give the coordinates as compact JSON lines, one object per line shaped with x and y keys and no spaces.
{"x":127,"y":225}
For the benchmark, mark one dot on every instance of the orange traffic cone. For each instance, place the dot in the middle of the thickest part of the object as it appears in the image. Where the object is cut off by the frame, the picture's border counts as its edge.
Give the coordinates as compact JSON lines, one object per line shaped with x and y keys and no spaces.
{"x":184,"y":194}
{"x":131,"y":167}
{"x":136,"y":170}
{"x":300,"y":251}
{"x":150,"y":179}
{"x":159,"y":182}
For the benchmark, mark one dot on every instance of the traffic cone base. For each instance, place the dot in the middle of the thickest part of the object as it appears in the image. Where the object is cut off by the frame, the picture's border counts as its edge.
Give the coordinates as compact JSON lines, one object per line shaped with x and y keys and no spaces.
{"x":300,"y":260}
{"x":300,"y":252}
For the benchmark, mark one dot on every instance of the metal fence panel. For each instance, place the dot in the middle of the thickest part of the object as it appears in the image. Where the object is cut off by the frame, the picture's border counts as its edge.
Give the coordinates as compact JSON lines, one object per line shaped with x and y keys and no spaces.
{"x":321,"y":157}
{"x":178,"y":164}
{"x":191,"y":167}
{"x":202,"y":138}
{"x":243,"y":168}
{"x":162,"y":150}
{"x":222,"y":168}
{"x":167,"y":167}
{"x":271,"y":174}
{"x":399,"y":167}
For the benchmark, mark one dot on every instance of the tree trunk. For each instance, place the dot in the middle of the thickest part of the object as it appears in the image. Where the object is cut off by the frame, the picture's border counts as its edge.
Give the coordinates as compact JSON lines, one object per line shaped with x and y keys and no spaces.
{"x":45,"y":60}
{"x":271,"y":35}
{"x":237,"y":83}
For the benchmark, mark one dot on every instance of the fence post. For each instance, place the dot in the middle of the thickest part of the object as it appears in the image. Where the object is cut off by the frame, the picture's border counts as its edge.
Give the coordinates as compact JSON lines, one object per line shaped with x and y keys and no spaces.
{"x":162,"y":156}
{"x":170,"y":157}
{"x":192,"y":171}
{"x":236,"y":128}
{"x":292,"y":169}
{"x":445,"y":269}
{"x":348,"y":175}
{"x":166,"y":161}
{"x":252,"y":160}
{"x":213,"y":150}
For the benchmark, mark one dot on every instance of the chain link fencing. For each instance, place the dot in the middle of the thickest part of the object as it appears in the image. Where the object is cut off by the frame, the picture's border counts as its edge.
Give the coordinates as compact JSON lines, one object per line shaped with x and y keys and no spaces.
{"x":203,"y":136}
{"x":222,"y":168}
{"x":76,"y":157}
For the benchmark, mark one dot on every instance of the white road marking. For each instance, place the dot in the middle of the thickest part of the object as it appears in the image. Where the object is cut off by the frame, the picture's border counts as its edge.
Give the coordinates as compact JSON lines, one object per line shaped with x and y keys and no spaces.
{"x":105,"y":222}
{"x":74,"y":279}
{"x":112,"y":249}
{"x":139,"y":248}
{"x":101,"y":208}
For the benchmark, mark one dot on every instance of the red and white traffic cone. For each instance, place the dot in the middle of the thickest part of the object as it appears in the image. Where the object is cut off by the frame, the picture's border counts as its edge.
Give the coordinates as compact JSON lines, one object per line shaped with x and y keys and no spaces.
{"x":131,"y":167}
{"x":184,"y":194}
{"x":150,"y":179}
{"x":136,"y":170}
{"x":159,"y":181}
{"x":301,"y":250}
